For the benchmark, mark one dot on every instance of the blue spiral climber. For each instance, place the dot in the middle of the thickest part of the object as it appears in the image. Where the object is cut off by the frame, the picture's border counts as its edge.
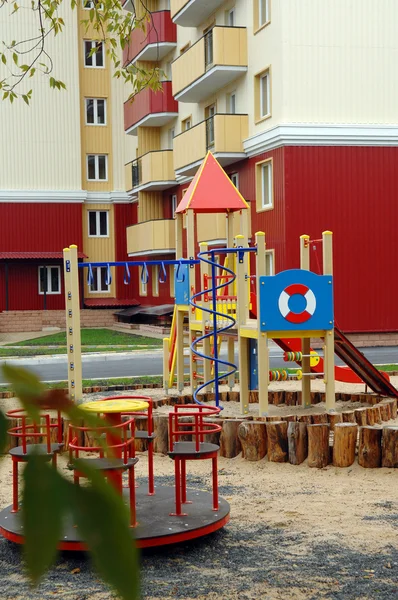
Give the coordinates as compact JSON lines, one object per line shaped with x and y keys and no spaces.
{"x":216,"y":331}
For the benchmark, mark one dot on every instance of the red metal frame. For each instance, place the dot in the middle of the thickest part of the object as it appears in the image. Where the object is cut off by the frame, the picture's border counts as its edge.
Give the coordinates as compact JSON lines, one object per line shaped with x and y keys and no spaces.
{"x":198,"y":429}
{"x":30,"y":430}
{"x":149,"y":414}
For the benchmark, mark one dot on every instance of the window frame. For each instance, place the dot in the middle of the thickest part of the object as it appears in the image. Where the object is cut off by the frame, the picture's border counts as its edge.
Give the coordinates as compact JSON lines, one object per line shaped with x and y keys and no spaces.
{"x":96,"y":167}
{"x":95,"y":101}
{"x":98,"y":271}
{"x":142,"y":287}
{"x":184,"y":122}
{"x":271,"y":254}
{"x":94,"y":56}
{"x":258,"y":96}
{"x":92,"y":5}
{"x":230,"y":12}
{"x":257,"y":10}
{"x":260,"y":207}
{"x":266,"y":77}
{"x":49,"y":267}
{"x":172,"y":281}
{"x":155,"y":281}
{"x":235,"y":176}
{"x":229,"y":101}
{"x":97,"y":223}
{"x":174,"y":204}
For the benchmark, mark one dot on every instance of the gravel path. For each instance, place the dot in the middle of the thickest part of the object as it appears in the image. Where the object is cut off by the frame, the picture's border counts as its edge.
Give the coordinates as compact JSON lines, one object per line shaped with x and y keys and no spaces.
{"x":295,"y":533}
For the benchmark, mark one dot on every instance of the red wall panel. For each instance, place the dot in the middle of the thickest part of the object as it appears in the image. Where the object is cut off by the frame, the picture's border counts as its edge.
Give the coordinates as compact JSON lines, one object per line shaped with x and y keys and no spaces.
{"x":125,"y":215}
{"x":164,"y":288}
{"x":39,"y":227}
{"x":148,"y":102}
{"x":23,"y":287}
{"x":159,"y":29}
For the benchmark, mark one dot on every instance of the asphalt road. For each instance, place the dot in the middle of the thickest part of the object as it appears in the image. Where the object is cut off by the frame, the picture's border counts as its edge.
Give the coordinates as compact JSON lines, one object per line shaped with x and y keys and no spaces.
{"x":150,"y":363}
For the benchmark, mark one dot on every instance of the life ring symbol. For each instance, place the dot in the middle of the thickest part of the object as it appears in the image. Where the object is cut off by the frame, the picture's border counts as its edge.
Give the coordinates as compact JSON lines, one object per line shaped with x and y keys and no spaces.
{"x":283,"y":303}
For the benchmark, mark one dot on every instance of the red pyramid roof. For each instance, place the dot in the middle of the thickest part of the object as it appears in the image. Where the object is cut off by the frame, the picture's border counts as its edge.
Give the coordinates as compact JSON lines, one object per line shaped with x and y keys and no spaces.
{"x":211,"y":191}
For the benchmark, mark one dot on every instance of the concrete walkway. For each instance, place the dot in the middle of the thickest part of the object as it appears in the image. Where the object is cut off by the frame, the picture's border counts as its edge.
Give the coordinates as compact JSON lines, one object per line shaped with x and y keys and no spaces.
{"x":12,"y":338}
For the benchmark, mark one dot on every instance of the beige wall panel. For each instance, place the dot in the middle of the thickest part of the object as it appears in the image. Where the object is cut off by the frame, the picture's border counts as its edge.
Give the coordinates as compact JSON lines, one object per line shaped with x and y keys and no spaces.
{"x":188,"y":67}
{"x":229,"y":132}
{"x":177,"y":5}
{"x":190,"y":146}
{"x":148,"y":139}
{"x":118,"y":153}
{"x":152,"y":235}
{"x":214,"y":227}
{"x":230,"y":46}
{"x":40,"y":144}
{"x":157,"y":166}
{"x":99,"y":249}
{"x":150,"y":206}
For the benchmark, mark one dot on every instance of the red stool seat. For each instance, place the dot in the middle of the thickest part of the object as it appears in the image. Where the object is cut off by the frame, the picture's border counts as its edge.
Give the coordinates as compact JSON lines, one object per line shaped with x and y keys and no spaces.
{"x":109,"y":464}
{"x":40,"y":449}
{"x":188,"y":450}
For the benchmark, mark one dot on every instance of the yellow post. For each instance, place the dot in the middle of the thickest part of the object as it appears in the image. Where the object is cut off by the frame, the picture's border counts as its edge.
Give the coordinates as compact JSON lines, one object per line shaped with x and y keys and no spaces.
{"x":231,"y":359}
{"x":262,"y":340}
{"x":72,"y":307}
{"x":179,"y":234}
{"x":204,"y":270}
{"x":242,"y":314}
{"x":166,"y":354}
{"x":328,"y":360}
{"x":180,"y":350}
{"x":305,"y":342}
{"x":191,"y":274}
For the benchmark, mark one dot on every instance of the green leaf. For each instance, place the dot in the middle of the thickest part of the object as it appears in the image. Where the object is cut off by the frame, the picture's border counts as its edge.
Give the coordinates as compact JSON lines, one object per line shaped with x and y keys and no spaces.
{"x":44,"y":503}
{"x":103,"y":520}
{"x":5,"y":95}
{"x":15,"y":57}
{"x":26,"y":385}
{"x":25,"y":99}
{"x":32,"y":72}
{"x":3,"y":59}
{"x":3,"y":431}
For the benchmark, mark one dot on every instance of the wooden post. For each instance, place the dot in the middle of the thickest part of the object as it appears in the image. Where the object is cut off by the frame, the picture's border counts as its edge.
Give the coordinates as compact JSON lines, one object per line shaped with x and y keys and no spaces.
{"x":192,"y":290}
{"x":345,"y":440}
{"x":231,"y":359}
{"x":253,"y":439}
{"x":161,"y":427}
{"x":230,"y":445}
{"x":334,"y":418}
{"x":369,"y":451}
{"x":297,"y":442}
{"x":180,"y":349}
{"x":204,"y":271}
{"x":72,"y":310}
{"x":390,"y":447}
{"x":166,"y":373}
{"x":318,"y":445}
{"x":305,"y":342}
{"x":328,"y":360}
{"x":277,"y":441}
{"x":242,"y":314}
{"x":262,"y":340}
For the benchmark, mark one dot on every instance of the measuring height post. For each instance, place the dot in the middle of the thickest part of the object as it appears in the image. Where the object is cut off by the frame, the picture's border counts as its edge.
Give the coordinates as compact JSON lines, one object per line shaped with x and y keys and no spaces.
{"x":242,"y":314}
{"x":305,"y":342}
{"x":262,"y":339}
{"x":204,"y":278}
{"x":328,"y":359}
{"x":72,"y":307}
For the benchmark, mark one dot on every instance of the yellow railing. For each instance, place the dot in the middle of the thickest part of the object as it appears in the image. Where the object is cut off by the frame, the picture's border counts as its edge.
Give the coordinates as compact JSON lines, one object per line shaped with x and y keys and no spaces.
{"x":151,"y":236}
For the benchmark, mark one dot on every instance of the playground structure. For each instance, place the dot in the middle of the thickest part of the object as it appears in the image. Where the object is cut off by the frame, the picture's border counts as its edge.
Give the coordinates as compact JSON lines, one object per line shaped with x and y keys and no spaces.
{"x":217,"y":299}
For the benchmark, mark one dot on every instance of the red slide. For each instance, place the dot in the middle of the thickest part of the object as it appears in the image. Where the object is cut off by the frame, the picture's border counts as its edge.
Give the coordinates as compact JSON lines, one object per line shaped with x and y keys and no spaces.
{"x":359,"y":369}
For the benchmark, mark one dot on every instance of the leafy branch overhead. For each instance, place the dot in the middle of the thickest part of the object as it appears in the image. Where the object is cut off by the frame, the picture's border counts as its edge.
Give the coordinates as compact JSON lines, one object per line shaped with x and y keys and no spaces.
{"x":105,"y":21}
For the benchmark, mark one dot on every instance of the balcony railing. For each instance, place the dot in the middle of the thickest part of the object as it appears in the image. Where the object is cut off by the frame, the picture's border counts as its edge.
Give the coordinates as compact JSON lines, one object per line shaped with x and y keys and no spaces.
{"x":153,"y":43}
{"x":151,"y":237}
{"x":150,"y":109}
{"x":223,"y":134}
{"x":215,"y":60}
{"x":214,"y":228}
{"x":152,"y":171}
{"x":191,"y":13}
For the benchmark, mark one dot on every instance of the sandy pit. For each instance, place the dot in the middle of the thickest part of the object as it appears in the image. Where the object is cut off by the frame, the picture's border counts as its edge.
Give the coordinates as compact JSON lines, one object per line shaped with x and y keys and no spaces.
{"x":295,"y":533}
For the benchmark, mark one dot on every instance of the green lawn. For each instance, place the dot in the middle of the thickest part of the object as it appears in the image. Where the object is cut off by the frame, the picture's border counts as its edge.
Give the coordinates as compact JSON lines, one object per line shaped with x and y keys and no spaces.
{"x":94,"y":337}
{"x":8,"y":351}
{"x":140,"y":380}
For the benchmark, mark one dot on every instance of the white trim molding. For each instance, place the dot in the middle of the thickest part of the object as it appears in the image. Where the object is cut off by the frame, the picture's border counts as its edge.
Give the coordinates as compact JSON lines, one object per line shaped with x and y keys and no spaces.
{"x":153,"y":252}
{"x":321,"y":135}
{"x":64,"y":196}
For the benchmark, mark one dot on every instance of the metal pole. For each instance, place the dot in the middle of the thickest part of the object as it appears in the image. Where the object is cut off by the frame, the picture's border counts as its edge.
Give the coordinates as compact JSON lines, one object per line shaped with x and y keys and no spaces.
{"x":6,"y":282}
{"x":45,"y":289}
{"x":215,"y":349}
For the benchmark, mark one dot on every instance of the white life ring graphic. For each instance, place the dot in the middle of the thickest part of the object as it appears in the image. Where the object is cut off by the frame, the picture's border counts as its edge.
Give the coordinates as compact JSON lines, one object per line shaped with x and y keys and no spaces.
{"x":283,"y":303}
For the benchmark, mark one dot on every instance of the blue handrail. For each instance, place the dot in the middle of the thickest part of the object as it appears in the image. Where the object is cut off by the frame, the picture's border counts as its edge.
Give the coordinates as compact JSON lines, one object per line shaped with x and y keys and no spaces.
{"x":216,"y":331}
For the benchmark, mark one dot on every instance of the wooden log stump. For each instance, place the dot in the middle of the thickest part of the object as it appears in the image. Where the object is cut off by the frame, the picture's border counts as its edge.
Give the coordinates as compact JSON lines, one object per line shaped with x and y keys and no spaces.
{"x":316,"y":397}
{"x":273,"y":419}
{"x":385,"y":411}
{"x":233,"y":396}
{"x":253,"y":439}
{"x":390,"y":447}
{"x":348,"y":416}
{"x":345,"y":440}
{"x":277,"y":441}
{"x":369,"y":450}
{"x":161,"y":427}
{"x":320,"y":418}
{"x":318,"y":445}
{"x":394,"y":410}
{"x":304,"y":419}
{"x":141,"y":424}
{"x":361,"y":416}
{"x":230,"y":445}
{"x":290,"y":398}
{"x":253,"y":397}
{"x":213,"y":438}
{"x":373,"y":415}
{"x":289,"y":418}
{"x":297,"y":442}
{"x":334,"y":418}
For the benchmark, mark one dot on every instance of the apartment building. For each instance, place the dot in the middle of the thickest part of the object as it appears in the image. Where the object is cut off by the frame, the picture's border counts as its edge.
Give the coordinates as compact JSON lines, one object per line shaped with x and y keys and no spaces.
{"x":297,"y":102}
{"x":62,"y":181}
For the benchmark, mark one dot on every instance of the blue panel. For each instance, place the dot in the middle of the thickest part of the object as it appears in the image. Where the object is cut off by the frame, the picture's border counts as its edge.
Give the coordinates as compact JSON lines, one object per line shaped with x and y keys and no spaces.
{"x":181,"y":284}
{"x":253,"y":384}
{"x":296,"y":300}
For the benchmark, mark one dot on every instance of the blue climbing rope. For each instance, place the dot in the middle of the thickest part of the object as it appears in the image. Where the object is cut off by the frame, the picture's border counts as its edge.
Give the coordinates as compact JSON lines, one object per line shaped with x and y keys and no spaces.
{"x":216,"y":331}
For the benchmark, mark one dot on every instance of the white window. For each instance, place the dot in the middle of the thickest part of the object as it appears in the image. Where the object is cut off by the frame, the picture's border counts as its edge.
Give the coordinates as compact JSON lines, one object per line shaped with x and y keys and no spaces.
{"x":91,"y":58}
{"x":143,"y":286}
{"x":97,"y":167}
{"x":95,"y":111}
{"x":88,"y":4}
{"x":155,"y":280}
{"x":187,"y":124}
{"x":263,"y":12}
{"x":231,"y":103}
{"x":98,"y":223}
{"x":173,"y":204}
{"x":230,"y":21}
{"x":235,"y":179}
{"x":100,"y":280}
{"x":266,"y":185}
{"x":264,"y":95}
{"x":269,"y":262}
{"x":50,"y":280}
{"x":171,"y":138}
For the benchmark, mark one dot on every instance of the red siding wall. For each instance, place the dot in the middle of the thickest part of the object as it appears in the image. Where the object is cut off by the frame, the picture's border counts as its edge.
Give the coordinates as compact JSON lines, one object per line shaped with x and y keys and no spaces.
{"x":23,"y":287}
{"x":164,"y":288}
{"x":125,"y":215}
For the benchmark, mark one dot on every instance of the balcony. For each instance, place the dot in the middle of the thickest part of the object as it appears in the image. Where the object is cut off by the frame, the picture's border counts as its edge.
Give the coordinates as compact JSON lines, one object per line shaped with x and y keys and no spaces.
{"x":151,"y":237}
{"x":150,"y":109}
{"x":216,"y":59}
{"x":213,"y":228}
{"x":222,"y":134}
{"x":193,"y":12}
{"x":153,"y":43}
{"x":152,"y":171}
